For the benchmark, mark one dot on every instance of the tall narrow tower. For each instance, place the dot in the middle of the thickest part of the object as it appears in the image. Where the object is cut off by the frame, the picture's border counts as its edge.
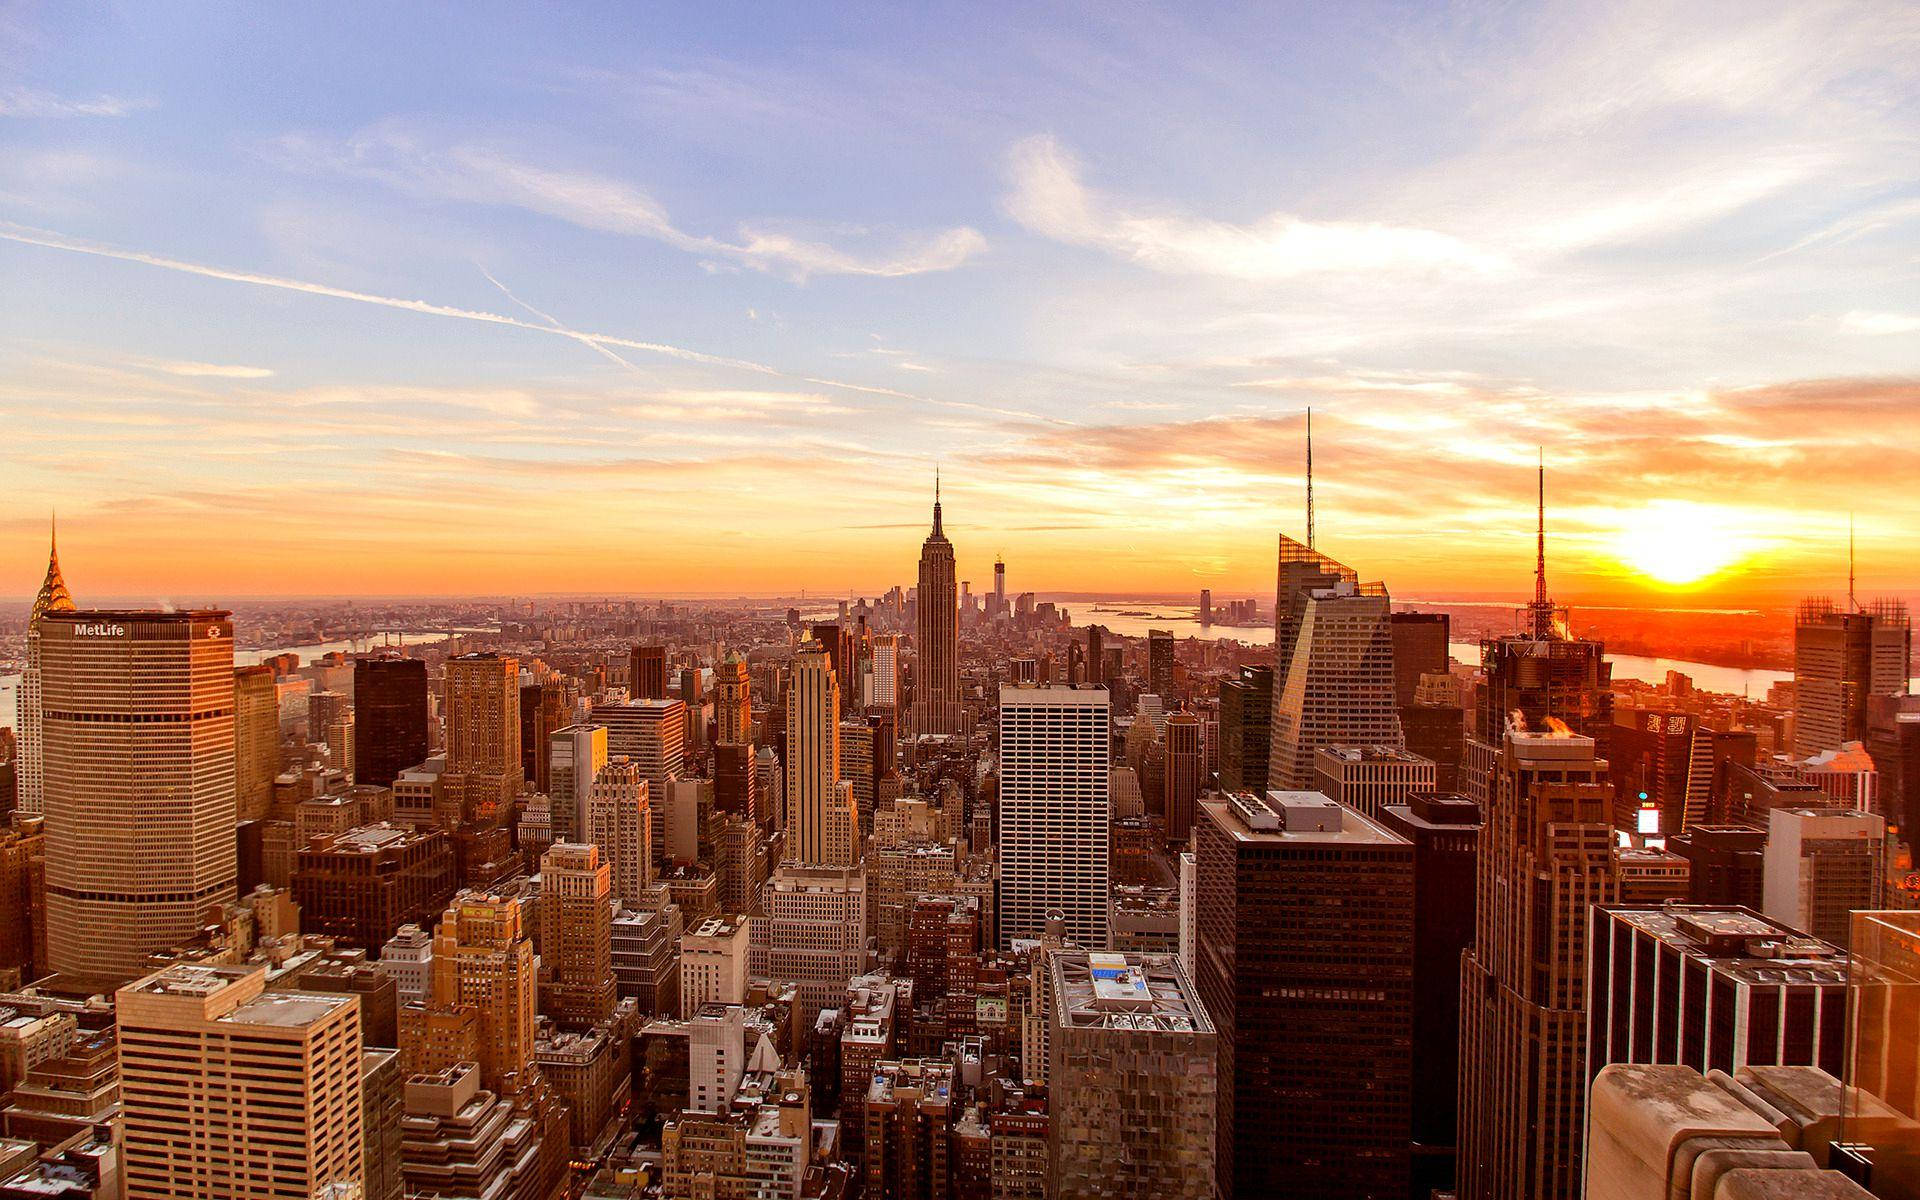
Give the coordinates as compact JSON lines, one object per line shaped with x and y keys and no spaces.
{"x":53,"y":597}
{"x":936,"y":685}
{"x":821,"y":827}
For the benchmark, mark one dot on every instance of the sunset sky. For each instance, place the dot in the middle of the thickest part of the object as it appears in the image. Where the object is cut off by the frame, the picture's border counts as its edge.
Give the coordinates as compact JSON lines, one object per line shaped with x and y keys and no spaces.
{"x":461,"y":299}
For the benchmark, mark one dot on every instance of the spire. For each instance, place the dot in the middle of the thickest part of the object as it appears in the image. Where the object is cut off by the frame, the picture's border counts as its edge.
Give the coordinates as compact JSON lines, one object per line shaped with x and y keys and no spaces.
{"x":1309,"y":477}
{"x":936,"y":503}
{"x":1851,"y":602}
{"x":53,"y":596}
{"x":1541,"y":608}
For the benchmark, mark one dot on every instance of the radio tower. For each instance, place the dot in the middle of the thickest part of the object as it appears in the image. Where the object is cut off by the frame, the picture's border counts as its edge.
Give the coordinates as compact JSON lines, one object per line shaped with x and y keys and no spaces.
{"x":1541,"y":608}
{"x":1309,"y":478}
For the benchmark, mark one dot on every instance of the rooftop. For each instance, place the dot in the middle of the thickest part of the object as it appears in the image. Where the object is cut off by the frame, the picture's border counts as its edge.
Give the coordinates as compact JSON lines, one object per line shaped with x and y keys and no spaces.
{"x":1145,"y":992}
{"x":1740,"y":943}
{"x":1354,"y":754}
{"x":1283,"y":816}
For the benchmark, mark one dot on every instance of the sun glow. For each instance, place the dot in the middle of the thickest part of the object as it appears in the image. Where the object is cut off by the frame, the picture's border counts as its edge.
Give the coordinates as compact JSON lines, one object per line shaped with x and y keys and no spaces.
{"x":1678,"y":543}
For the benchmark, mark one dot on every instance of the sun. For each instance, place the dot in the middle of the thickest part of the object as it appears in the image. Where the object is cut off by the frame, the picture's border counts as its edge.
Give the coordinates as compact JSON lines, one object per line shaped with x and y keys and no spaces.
{"x":1678,"y":543}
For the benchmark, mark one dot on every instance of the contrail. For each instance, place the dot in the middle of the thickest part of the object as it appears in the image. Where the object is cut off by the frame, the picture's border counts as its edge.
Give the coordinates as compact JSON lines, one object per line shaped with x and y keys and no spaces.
{"x":27,"y":235}
{"x":554,"y":321}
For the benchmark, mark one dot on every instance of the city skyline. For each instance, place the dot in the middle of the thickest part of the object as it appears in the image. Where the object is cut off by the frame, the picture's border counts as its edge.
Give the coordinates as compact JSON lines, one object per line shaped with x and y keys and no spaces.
{"x":395,"y":338}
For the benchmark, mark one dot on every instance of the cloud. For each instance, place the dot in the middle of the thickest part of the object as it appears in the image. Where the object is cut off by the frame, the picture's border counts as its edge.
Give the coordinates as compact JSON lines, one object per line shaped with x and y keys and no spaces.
{"x":473,"y":174}
{"x":1879,"y":323}
{"x":1049,"y":198}
{"x":32,"y":103}
{"x":207,"y":370}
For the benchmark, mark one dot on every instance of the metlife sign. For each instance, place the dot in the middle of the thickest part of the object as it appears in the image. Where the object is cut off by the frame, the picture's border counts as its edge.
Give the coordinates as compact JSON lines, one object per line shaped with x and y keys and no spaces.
{"x":99,"y":631}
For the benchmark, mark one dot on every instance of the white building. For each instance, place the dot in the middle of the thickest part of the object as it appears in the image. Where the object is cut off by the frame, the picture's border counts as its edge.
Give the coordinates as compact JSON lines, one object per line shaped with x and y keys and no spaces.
{"x":574,"y":757}
{"x":407,"y":959}
{"x":1054,"y":811}
{"x":1822,"y":864}
{"x":713,"y":963}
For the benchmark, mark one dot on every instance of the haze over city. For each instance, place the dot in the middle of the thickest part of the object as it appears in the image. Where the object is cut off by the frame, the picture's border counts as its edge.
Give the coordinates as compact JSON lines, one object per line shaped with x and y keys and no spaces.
{"x":522,"y":303}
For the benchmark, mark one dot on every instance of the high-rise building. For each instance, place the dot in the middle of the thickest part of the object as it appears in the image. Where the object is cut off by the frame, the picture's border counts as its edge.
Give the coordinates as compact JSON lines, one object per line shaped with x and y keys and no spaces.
{"x":576,"y":935}
{"x":138,"y":735}
{"x":1132,"y":1072}
{"x":23,"y":897}
{"x":883,"y":683}
{"x":1305,"y":961}
{"x":1712,"y":988}
{"x":732,"y":701}
{"x":1369,"y":778}
{"x":53,"y":597}
{"x":1445,"y":832}
{"x":1333,"y":672}
{"x":483,"y":965}
{"x":1160,"y":665}
{"x":1096,"y":654}
{"x":361,"y":885}
{"x":390,"y":714}
{"x":574,"y":758}
{"x":652,"y":733}
{"x":647,"y":673}
{"x":821,"y":824}
{"x":936,"y":678}
{"x":483,"y":757}
{"x":459,"y":1139}
{"x":1186,"y":775}
{"x":256,"y":741}
{"x":1054,"y":811}
{"x":543,"y":709}
{"x":1726,"y":864}
{"x":714,"y":956}
{"x":815,"y":932}
{"x":1546,"y":856}
{"x":1246,"y":729}
{"x":1421,"y":646}
{"x":620,"y":822}
{"x":1841,"y":660}
{"x":229,"y":1090}
{"x":1822,"y":865}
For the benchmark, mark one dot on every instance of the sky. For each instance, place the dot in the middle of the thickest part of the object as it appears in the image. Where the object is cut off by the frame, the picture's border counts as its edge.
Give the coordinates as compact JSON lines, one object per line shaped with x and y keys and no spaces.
{"x":476,"y":299}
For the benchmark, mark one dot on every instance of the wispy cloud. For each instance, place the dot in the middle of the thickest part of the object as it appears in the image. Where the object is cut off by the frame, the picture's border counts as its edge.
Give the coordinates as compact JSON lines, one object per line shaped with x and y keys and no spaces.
{"x":475,"y":174}
{"x":1879,"y":323}
{"x":31,"y":103}
{"x":204,"y":370}
{"x":1049,"y":198}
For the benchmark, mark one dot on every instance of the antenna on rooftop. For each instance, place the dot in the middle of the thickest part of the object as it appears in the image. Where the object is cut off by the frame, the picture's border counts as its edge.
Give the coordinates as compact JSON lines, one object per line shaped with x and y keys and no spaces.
{"x":1309,"y":478}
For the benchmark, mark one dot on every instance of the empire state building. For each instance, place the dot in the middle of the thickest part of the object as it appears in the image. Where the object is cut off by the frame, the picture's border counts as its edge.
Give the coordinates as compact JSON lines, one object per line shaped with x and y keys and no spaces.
{"x":936,"y":685}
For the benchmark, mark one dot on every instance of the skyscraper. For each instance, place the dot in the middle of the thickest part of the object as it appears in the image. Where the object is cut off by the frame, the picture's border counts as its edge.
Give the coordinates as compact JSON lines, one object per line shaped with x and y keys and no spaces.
{"x":543,"y":709}
{"x":732,"y":701}
{"x":483,"y":959}
{"x":1054,"y":811}
{"x":1132,"y":1074}
{"x":230,"y":1090}
{"x":647,"y":673}
{"x":821,"y":826}
{"x":1333,"y":672}
{"x":1305,"y":963}
{"x":139,"y":782}
{"x":883,"y":689}
{"x":483,"y":737}
{"x":390,"y":714}
{"x":1546,"y":856}
{"x":1420,"y":647}
{"x":1160,"y":666}
{"x":574,"y":758}
{"x":1246,"y":729}
{"x":256,"y":741}
{"x":576,"y":935}
{"x":1822,"y":865}
{"x":1186,"y":774}
{"x":620,"y":822}
{"x":1841,"y":660}
{"x":814,"y":931}
{"x":52,"y":598}
{"x":936,"y":680}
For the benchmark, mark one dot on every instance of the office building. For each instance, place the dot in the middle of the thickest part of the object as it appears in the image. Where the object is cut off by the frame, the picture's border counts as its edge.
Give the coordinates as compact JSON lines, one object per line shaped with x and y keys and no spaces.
{"x":652,"y":734}
{"x":138,"y":738}
{"x":1369,"y":778}
{"x":574,"y":758}
{"x":647,"y":673}
{"x":543,"y":711}
{"x":256,"y":742}
{"x":1305,"y":963}
{"x":1246,"y":729}
{"x":576,"y":935}
{"x":1842,"y":659}
{"x":1160,"y":665}
{"x":883,"y":681}
{"x":814,"y":931}
{"x":936,"y":677}
{"x":1132,"y":1073}
{"x":620,"y":822}
{"x":390,"y":716}
{"x":459,"y":1139}
{"x":229,"y":1090}
{"x":1726,"y":864}
{"x":1333,"y":675}
{"x":482,"y":1001}
{"x":646,"y":954}
{"x":1421,"y":646}
{"x":732,"y":701}
{"x":1546,"y":855}
{"x":1186,"y":774}
{"x":1649,"y":875}
{"x":23,"y":897}
{"x":1054,"y":811}
{"x":714,"y":957}
{"x":1822,"y":865}
{"x":407,"y":958}
{"x":821,"y":825}
{"x":1445,"y":831}
{"x":361,"y":885}
{"x":483,"y":737}
{"x":1712,"y":988}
